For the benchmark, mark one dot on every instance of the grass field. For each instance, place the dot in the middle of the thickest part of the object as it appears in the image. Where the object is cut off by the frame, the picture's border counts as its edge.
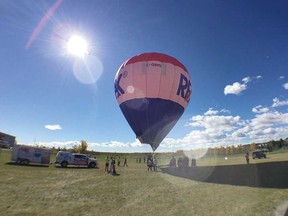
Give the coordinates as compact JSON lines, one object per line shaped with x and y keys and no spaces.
{"x":37,"y":190}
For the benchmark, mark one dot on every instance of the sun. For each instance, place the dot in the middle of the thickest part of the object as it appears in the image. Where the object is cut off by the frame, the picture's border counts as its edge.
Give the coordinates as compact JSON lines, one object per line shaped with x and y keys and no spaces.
{"x":77,"y":46}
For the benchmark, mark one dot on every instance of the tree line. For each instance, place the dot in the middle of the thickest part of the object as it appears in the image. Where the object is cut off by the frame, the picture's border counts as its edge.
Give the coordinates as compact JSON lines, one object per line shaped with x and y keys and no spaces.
{"x":272,"y":145}
{"x":81,"y":148}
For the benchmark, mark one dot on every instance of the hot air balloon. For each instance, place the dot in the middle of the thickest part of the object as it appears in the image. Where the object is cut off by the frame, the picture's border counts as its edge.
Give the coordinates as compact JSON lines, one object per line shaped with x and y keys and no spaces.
{"x":152,"y":90}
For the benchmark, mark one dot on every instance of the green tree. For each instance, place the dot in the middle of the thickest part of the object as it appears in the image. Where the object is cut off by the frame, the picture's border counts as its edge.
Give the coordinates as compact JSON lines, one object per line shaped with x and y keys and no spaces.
{"x":233,"y":150}
{"x":240,"y":149}
{"x":221,"y":150}
{"x":209,"y":152}
{"x":83,"y":147}
{"x":75,"y":148}
{"x":215,"y":151}
{"x":228,"y":150}
{"x":252,"y":147}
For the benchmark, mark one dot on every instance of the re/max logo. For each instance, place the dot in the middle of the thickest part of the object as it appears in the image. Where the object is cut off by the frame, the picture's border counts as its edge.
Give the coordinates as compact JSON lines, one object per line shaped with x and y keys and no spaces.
{"x":184,"y":88}
{"x":117,"y":88}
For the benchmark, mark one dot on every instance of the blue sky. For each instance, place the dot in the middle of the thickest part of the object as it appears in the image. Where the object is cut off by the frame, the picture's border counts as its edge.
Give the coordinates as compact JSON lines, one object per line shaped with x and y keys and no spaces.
{"x":235,"y":51}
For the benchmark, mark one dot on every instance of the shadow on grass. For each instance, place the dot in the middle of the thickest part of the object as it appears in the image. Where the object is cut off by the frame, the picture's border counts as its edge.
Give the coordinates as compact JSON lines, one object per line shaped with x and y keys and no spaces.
{"x":264,"y":175}
{"x":48,"y":165}
{"x":75,"y":167}
{"x":28,"y":165}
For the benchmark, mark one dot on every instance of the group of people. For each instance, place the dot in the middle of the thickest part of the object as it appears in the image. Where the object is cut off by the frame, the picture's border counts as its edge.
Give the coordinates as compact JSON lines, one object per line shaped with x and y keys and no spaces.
{"x":112,"y":168}
{"x":139,"y":160}
{"x":152,"y":163}
{"x":181,"y":162}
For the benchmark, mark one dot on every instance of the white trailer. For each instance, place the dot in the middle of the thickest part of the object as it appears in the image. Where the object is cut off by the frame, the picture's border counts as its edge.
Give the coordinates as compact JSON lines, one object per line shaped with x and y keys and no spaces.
{"x":24,"y":154}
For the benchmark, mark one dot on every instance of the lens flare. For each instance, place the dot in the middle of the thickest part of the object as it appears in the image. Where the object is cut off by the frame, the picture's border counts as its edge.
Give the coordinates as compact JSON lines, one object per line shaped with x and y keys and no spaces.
{"x":88,"y":70}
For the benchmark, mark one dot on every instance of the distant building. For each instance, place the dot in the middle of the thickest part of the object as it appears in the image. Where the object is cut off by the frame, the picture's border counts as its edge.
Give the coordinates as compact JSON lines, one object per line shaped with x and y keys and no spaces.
{"x":6,"y":140}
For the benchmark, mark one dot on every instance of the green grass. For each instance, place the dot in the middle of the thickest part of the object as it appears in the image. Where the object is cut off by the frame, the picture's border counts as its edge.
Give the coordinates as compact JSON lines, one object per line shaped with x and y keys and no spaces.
{"x":36,"y":190}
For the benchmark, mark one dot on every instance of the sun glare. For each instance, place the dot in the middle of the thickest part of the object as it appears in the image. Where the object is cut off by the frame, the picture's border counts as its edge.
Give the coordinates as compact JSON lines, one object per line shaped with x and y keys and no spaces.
{"x":77,"y":45}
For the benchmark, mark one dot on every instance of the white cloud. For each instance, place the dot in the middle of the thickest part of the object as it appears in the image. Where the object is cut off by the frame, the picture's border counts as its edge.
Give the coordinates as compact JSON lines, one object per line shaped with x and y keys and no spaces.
{"x":258,"y":77}
{"x":220,"y":130}
{"x":277,"y":102}
{"x":211,"y":112}
{"x":285,"y":85}
{"x":171,"y":143}
{"x":53,"y":127}
{"x":281,"y":77}
{"x":119,"y":145}
{"x":136,"y":143}
{"x":215,"y":124}
{"x":241,"y":132}
{"x":209,"y":129}
{"x":236,"y":88}
{"x":113,"y":144}
{"x":269,"y":119}
{"x":224,"y":111}
{"x":212,"y":130}
{"x":246,"y":79}
{"x":104,"y":146}
{"x":268,"y":134}
{"x":260,"y":109}
{"x":66,"y":144}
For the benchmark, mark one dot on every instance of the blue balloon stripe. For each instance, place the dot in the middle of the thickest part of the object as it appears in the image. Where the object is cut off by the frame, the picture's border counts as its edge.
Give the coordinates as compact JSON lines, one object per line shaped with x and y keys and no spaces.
{"x":151,"y":119}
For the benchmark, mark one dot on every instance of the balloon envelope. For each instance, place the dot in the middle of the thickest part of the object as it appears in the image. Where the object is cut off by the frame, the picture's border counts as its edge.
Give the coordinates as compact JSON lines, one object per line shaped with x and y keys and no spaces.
{"x":152,"y":90}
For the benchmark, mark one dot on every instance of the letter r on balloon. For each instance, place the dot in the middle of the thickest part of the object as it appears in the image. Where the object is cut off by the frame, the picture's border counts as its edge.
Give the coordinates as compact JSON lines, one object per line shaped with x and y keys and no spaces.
{"x":184,"y":88}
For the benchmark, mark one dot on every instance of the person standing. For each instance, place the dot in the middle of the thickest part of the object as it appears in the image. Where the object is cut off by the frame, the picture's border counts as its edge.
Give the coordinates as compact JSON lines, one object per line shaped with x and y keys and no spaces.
{"x":193,"y":162}
{"x":179,"y":162}
{"x":149,"y":163}
{"x":125,"y":162}
{"x":112,"y":167}
{"x":172,"y":162}
{"x":107,"y":164}
{"x":247,"y":158}
{"x":119,"y":162}
{"x":154,"y":161}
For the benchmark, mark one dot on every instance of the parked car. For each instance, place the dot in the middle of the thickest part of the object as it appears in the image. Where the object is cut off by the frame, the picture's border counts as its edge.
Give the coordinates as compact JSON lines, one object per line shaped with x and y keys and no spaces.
{"x":258,"y":154}
{"x":65,"y":158}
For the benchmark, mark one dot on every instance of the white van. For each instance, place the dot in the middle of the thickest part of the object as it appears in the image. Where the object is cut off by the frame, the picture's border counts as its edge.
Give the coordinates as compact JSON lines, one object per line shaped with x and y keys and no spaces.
{"x":65,"y":158}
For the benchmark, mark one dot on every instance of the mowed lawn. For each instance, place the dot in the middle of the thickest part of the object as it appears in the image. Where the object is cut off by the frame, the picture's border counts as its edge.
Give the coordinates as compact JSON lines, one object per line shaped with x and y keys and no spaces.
{"x":37,"y":190}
